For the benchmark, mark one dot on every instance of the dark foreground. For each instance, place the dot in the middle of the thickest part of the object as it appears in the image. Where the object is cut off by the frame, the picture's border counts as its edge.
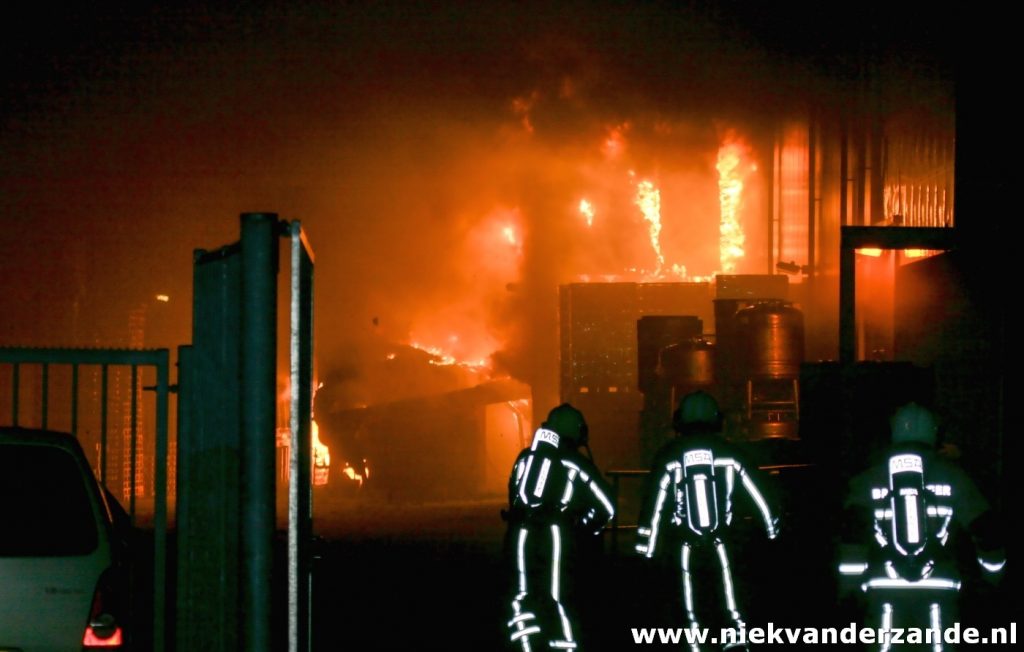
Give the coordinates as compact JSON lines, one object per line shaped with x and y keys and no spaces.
{"x":433,"y":577}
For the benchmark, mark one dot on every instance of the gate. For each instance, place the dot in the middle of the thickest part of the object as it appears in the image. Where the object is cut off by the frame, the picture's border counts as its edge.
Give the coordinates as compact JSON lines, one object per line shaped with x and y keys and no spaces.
{"x":91,"y":384}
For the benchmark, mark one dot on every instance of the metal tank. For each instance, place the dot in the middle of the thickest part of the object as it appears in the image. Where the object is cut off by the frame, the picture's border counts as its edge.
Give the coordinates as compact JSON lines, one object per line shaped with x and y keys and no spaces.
{"x":772,"y":333}
{"x":689,"y":364}
{"x":771,"y":336}
{"x":653,"y":334}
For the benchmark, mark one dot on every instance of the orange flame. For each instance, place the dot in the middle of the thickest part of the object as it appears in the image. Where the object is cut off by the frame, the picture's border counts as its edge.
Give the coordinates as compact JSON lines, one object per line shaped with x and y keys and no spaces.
{"x":440,"y":358}
{"x":587,"y":211}
{"x":321,"y":458}
{"x":730,"y":194}
{"x":648,"y":199}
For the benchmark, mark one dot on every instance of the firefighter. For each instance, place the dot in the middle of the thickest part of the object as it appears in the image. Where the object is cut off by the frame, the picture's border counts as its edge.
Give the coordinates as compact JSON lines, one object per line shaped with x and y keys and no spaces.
{"x":556,"y":495}
{"x":688,"y":509}
{"x":907,"y":507}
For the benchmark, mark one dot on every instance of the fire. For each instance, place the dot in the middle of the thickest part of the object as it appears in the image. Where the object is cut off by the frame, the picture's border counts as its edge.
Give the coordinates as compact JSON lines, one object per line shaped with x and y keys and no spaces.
{"x":441,"y":358}
{"x":509,"y":232}
{"x":352,"y":474}
{"x":587,"y":211}
{"x":320,"y":451}
{"x":874,"y":252}
{"x":730,"y":193}
{"x":321,"y":458}
{"x":648,"y":199}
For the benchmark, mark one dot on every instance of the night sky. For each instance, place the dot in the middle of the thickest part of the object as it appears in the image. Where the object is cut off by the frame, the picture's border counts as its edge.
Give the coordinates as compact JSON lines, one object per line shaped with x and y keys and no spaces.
{"x":132,"y":134}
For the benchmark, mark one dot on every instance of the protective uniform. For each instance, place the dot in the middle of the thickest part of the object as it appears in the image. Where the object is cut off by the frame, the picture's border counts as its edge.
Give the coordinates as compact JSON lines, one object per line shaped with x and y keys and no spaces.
{"x":688,"y":509}
{"x":908,"y":504}
{"x":555,"y":494}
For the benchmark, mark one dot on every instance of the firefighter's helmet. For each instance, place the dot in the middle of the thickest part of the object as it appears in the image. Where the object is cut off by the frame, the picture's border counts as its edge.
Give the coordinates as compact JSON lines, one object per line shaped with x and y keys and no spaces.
{"x":569,"y":423}
{"x":697,"y":412}
{"x":914,"y":423}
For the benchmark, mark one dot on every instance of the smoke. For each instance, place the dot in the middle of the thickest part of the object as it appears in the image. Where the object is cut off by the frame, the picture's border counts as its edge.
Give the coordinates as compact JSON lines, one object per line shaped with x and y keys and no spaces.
{"x":437,"y":157}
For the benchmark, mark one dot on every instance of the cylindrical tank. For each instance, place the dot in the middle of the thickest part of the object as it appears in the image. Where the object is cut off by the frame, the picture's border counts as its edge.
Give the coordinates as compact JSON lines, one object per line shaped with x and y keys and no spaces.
{"x":654,"y":333}
{"x":772,"y":336}
{"x":689,"y":363}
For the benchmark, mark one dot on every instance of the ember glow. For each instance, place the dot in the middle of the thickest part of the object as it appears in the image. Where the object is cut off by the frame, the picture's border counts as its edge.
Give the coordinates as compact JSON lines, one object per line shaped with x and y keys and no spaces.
{"x":730,"y":190}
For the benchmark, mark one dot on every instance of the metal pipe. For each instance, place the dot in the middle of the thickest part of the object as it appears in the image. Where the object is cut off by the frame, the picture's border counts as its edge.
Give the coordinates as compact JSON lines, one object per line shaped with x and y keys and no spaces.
{"x":183,"y":503}
{"x":259,"y":356}
{"x":300,"y":498}
{"x":160,"y":503}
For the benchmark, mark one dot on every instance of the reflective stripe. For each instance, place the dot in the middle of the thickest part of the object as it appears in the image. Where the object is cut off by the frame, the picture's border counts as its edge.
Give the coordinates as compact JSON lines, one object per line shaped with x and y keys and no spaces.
{"x":730,"y":599}
{"x":604,"y":499}
{"x":526,"y":475}
{"x":695,"y":631}
{"x":913,"y":533}
{"x":687,"y":584}
{"x":520,"y":628}
{"x":563,"y":645}
{"x":556,"y":560}
{"x":886,"y":626}
{"x":702,"y":501}
{"x":939,"y":511}
{"x":890,"y":583}
{"x":566,"y":627}
{"x":992,"y":566}
{"x":521,"y":559}
{"x":852,"y":569}
{"x":890,"y":571}
{"x":730,"y":596}
{"x":525,"y":632}
{"x":658,"y":505}
{"x":880,"y":538}
{"x":644,"y":531}
{"x":944,"y":529}
{"x":567,"y":495}
{"x":730,"y":482}
{"x":539,"y":489}
{"x":520,"y":618}
{"x":883,"y":514}
{"x":936,"y":615}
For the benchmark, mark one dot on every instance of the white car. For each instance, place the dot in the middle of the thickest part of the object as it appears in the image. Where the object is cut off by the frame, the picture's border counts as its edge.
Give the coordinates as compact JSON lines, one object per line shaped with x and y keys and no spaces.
{"x":62,"y":586}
